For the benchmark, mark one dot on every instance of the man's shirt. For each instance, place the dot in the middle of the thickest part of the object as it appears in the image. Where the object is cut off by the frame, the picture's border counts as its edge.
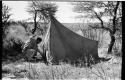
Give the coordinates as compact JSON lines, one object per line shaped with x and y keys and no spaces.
{"x":30,"y":44}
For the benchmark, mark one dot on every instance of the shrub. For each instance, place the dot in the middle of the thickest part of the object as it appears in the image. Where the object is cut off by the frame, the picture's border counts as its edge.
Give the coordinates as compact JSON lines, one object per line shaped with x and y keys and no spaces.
{"x":12,"y":48}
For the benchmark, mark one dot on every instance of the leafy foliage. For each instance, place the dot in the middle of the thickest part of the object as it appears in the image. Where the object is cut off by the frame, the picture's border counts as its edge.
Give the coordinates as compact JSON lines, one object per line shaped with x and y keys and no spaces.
{"x":12,"y":49}
{"x":5,"y":18}
{"x":41,"y":11}
{"x":5,"y":13}
{"x":13,"y":41}
{"x":42,"y":8}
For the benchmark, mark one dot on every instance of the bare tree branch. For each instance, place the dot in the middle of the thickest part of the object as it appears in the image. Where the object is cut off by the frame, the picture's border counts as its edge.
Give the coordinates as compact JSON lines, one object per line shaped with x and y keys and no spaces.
{"x":114,"y":17}
{"x":97,"y":27}
{"x":98,"y":17}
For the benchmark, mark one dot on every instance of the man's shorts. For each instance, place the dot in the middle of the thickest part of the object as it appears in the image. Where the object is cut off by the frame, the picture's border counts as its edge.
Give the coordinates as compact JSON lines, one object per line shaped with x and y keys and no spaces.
{"x":29,"y":54}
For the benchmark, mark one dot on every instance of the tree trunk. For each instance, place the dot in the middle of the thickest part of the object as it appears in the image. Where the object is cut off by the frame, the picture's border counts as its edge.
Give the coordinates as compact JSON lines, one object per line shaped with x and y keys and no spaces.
{"x":35,"y":23}
{"x":111,"y":44}
{"x":35,"y":26}
{"x":114,"y":29}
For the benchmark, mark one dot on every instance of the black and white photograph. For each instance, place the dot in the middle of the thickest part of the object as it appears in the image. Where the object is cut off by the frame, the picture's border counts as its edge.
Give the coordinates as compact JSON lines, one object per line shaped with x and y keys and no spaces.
{"x":61,"y":40}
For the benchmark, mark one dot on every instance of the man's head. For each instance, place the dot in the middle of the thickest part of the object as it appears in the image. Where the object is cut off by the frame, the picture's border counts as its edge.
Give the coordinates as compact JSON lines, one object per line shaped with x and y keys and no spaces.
{"x":38,"y":40}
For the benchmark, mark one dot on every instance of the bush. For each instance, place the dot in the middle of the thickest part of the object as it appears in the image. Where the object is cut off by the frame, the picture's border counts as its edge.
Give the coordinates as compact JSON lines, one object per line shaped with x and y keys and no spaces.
{"x":12,"y":48}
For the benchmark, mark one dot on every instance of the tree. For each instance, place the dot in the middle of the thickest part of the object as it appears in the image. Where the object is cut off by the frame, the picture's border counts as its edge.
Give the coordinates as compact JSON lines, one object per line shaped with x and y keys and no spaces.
{"x":5,"y":16}
{"x":41,"y":10}
{"x":5,"y":13}
{"x":108,"y":9}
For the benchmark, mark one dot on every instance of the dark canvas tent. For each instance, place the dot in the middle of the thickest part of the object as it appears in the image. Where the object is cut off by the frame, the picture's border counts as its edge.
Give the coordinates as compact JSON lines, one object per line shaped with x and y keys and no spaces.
{"x":64,"y":44}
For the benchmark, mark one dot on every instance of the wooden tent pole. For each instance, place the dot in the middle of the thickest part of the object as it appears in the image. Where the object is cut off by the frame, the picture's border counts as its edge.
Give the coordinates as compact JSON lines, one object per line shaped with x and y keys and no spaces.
{"x":47,"y":35}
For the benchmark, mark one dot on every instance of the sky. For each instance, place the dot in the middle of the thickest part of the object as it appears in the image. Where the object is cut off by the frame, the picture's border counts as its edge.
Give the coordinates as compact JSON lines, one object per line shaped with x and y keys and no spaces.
{"x":64,"y":14}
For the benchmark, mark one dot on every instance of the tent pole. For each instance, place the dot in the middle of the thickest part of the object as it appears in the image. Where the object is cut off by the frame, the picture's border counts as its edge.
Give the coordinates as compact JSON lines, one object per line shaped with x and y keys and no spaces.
{"x":47,"y":35}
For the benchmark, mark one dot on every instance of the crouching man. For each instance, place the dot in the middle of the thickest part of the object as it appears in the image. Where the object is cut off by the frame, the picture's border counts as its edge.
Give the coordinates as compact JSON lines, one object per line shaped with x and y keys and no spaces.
{"x":31,"y":48}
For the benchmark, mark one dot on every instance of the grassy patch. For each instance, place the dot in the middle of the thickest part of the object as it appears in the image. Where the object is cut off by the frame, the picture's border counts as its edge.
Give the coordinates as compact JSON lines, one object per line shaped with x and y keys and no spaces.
{"x":38,"y":71}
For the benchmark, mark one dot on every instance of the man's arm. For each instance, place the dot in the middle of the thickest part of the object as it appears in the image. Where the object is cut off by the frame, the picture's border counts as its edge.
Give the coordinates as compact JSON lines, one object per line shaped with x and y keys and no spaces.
{"x":39,"y":49}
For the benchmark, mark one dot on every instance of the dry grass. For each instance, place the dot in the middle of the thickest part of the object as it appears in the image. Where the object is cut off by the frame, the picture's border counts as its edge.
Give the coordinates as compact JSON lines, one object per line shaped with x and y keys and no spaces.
{"x":39,"y":71}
